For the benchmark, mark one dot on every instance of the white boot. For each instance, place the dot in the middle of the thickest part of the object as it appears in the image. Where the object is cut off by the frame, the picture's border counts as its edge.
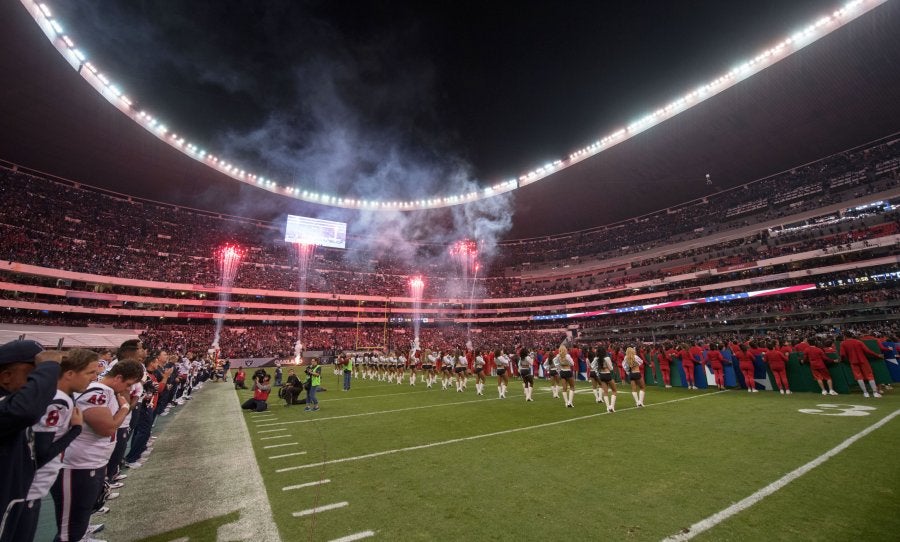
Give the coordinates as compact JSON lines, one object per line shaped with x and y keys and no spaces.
{"x":612,"y":402}
{"x":641,"y":397}
{"x":605,"y":400}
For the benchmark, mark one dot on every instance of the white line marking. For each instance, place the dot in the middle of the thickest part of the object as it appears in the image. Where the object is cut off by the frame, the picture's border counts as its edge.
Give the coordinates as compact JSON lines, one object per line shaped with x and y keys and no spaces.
{"x":308,"y":484}
{"x":278,"y":436}
{"x":476,"y":437}
{"x":318,"y":509}
{"x":740,"y":506}
{"x":279,"y":445}
{"x":273,"y":430}
{"x":374,"y":396}
{"x":380,"y":412}
{"x":355,"y":536}
{"x":287,"y":455}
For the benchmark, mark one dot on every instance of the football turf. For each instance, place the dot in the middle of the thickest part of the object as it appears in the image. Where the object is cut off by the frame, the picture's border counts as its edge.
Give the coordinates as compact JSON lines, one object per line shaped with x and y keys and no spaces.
{"x":395,"y":462}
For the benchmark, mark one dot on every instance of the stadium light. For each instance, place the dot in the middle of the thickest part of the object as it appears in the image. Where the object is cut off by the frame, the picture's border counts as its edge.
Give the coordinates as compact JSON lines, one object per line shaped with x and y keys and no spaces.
{"x":813,"y":31}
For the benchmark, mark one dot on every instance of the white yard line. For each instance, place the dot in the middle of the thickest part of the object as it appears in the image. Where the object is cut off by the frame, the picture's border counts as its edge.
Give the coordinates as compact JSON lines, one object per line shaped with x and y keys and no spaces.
{"x":329,"y":400}
{"x":308,"y":484}
{"x":277,"y":436}
{"x":485,"y":435}
{"x":355,"y":536}
{"x":287,"y":455}
{"x":272,"y":430}
{"x":378,"y":412}
{"x":279,"y":445}
{"x":318,"y":509}
{"x":743,"y":504}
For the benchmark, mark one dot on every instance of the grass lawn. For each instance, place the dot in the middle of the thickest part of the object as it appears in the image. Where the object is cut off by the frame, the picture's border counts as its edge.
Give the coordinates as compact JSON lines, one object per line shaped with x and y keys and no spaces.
{"x":406,"y":463}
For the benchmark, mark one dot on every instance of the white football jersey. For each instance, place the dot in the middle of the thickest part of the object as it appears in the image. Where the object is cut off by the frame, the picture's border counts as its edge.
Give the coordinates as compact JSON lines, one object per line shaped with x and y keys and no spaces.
{"x":57,"y":419}
{"x":90,"y":450}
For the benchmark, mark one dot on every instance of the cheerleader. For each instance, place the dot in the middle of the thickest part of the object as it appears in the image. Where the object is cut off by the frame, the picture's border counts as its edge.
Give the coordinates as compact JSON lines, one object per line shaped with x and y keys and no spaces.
{"x":632,"y":365}
{"x":428,"y":363}
{"x":551,"y":371}
{"x":503,"y":364}
{"x":593,"y":365}
{"x":565,"y":365}
{"x":446,"y":370}
{"x":461,"y":367}
{"x":605,"y":369}
{"x":525,"y":362}
{"x":414,"y":357}
{"x":479,"y":373}
{"x":400,"y":364}
{"x":745,"y":363}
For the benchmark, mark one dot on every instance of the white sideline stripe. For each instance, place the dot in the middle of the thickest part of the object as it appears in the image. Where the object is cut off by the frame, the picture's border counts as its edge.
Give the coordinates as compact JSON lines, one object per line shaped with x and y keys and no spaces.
{"x":380,"y":412}
{"x":308,"y":484}
{"x":273,"y":430}
{"x":743,"y":504}
{"x":476,"y":437}
{"x":354,"y":536}
{"x":277,"y":436}
{"x":287,"y":455}
{"x":318,"y":509}
{"x":373,"y":396}
{"x":279,"y":445}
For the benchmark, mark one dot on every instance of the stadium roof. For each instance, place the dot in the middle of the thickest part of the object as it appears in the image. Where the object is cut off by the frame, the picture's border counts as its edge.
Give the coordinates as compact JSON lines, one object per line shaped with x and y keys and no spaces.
{"x":840,"y":92}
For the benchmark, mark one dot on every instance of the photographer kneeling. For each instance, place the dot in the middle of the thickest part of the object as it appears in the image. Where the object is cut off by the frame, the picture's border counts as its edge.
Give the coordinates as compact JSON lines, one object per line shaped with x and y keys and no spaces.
{"x":261,"y":389}
{"x":292,"y":389}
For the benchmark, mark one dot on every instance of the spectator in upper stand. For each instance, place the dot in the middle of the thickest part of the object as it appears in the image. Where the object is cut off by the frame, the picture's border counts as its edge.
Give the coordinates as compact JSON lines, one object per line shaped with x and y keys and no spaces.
{"x":855,"y":351}
{"x":27,"y":386}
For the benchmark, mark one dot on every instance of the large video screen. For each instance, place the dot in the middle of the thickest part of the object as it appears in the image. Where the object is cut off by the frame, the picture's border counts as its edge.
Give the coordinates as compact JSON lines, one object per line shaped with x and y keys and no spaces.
{"x":312,"y":231}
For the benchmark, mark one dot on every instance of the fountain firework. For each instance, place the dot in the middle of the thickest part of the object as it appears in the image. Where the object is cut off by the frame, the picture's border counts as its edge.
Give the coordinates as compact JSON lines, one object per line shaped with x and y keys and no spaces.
{"x":304,"y":257}
{"x":416,"y":286}
{"x":465,"y":252}
{"x":229,"y":259}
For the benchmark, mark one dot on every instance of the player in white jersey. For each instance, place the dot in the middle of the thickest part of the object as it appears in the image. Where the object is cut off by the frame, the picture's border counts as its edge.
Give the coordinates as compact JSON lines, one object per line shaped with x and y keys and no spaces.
{"x":632,"y":365}
{"x":526,"y":360}
{"x":57,"y":428}
{"x":478,"y":365}
{"x":503,"y":365}
{"x":565,"y":365}
{"x":82,"y":477}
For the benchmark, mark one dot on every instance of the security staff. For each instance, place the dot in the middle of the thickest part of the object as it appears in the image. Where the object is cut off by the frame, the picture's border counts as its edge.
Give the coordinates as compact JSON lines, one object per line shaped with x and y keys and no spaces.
{"x":27,"y":386}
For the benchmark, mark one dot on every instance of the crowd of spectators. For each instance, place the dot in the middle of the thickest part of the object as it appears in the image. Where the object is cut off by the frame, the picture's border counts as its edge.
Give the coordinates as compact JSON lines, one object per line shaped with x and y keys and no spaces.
{"x":50,"y":224}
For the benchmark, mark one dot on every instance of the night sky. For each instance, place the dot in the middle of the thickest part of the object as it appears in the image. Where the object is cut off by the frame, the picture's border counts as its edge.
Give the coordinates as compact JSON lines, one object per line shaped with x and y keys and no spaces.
{"x":411,"y":94}
{"x":400,"y":101}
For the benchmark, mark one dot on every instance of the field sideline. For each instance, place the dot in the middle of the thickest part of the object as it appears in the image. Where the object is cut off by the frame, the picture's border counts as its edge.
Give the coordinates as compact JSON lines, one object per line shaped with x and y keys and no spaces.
{"x":395,"y":462}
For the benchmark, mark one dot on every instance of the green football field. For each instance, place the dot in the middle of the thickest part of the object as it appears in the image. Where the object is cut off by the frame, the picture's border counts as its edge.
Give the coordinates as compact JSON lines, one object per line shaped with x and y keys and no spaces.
{"x":395,"y":462}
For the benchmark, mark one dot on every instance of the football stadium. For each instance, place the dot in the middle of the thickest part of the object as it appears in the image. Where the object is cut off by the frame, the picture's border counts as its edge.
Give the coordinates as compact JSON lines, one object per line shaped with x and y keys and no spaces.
{"x":309,"y":271}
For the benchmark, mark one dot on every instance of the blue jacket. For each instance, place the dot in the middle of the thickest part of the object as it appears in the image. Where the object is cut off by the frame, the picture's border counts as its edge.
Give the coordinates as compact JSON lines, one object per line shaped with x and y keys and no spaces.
{"x":18,"y":412}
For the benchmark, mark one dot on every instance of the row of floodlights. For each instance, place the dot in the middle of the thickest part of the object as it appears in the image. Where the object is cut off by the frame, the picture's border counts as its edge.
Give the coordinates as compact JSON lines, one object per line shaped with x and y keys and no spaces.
{"x":699,"y":94}
{"x":758,"y":62}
